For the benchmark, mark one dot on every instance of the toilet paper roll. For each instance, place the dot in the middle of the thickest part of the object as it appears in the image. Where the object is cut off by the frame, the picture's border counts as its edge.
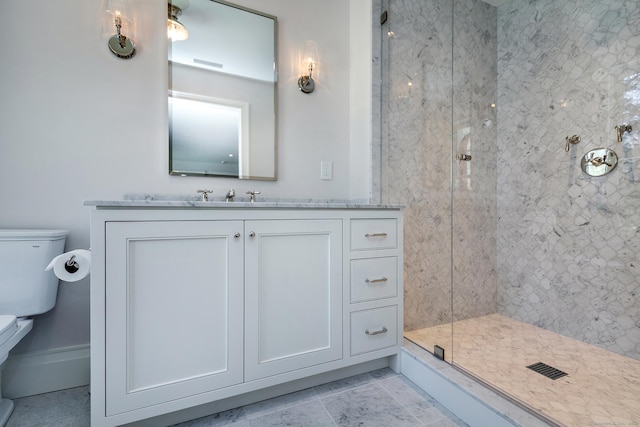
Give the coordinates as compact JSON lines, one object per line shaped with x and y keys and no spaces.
{"x":71,"y":266}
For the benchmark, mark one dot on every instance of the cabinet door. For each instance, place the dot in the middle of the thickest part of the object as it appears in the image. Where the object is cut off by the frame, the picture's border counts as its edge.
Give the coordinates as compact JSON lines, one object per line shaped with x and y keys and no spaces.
{"x":174,"y":303}
{"x":293,"y":295}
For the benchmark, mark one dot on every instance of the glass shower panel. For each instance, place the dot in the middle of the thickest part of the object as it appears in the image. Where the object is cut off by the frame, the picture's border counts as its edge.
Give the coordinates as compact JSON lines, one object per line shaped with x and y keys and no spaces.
{"x":416,"y":157}
{"x":474,"y":283}
{"x":514,"y":258}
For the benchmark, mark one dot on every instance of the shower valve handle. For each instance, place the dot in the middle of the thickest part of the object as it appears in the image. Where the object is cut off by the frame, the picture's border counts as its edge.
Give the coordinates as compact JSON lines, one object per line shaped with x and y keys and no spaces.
{"x":620,"y":129}
{"x":571,"y":139}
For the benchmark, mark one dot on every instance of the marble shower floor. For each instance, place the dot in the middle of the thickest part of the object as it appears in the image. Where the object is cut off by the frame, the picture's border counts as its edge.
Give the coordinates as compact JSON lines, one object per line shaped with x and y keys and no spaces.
{"x":601,"y":388}
{"x":378,"y":398}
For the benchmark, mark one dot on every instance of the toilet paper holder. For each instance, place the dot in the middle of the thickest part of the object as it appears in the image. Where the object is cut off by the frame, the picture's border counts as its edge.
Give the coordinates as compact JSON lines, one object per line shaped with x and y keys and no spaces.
{"x":71,"y":265}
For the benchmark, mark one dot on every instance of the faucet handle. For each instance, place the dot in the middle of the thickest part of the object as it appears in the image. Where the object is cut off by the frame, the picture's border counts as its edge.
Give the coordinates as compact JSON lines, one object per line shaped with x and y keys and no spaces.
{"x":205,"y":194}
{"x":620,"y":129}
{"x":252,"y":195}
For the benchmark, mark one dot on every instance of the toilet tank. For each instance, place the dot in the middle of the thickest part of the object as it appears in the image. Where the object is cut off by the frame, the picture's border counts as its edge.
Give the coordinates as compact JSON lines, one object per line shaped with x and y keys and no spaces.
{"x":26,"y":289}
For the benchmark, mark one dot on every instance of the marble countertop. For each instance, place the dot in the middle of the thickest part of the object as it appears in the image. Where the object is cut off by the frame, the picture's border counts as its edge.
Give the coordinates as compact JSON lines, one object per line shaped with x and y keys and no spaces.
{"x":181,"y":201}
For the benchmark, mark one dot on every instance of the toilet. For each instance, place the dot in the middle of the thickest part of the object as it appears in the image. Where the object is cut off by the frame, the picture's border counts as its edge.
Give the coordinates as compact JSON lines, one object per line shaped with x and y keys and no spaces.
{"x":26,"y":289}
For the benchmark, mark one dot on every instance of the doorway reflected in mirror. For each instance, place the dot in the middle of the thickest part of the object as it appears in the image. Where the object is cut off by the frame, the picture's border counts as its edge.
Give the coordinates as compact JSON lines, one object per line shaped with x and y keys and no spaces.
{"x":222,"y":92}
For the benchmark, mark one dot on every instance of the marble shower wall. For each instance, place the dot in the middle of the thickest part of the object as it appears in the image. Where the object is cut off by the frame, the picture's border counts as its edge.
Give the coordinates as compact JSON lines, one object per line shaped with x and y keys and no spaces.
{"x":415,"y":61}
{"x":569,"y":244}
{"x":474,"y":182}
{"x":533,"y":237}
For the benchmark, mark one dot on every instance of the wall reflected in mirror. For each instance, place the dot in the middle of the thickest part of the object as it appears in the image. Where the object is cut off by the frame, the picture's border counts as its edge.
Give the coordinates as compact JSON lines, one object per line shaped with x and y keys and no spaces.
{"x":222,"y":92}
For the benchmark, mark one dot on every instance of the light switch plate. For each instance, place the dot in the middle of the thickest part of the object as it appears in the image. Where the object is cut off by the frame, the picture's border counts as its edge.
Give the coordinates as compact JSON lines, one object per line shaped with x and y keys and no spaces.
{"x":326,"y":170}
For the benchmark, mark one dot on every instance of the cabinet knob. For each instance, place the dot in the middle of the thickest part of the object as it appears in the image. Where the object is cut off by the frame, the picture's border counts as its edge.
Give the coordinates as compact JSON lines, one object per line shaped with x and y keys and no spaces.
{"x":236,"y":235}
{"x":252,"y":234}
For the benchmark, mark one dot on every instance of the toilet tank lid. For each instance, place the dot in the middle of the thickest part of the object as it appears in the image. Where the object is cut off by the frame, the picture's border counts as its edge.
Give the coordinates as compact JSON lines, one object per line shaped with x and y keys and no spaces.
{"x":32,"y":234}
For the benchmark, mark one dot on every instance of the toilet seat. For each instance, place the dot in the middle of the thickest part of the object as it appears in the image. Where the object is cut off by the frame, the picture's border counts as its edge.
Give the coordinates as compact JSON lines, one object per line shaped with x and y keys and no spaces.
{"x":12,"y":330}
{"x":8,"y":327}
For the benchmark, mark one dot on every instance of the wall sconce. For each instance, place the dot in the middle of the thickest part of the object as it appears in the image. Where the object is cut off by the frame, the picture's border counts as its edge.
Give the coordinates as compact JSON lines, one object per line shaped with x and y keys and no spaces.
{"x":120,"y":17}
{"x":175,"y":30}
{"x":307,"y":64}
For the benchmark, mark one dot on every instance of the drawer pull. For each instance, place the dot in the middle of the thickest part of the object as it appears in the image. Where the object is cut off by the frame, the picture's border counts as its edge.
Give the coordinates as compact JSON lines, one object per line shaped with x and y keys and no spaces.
{"x":384,"y":330}
{"x":376,"y":235}
{"x":383,"y":279}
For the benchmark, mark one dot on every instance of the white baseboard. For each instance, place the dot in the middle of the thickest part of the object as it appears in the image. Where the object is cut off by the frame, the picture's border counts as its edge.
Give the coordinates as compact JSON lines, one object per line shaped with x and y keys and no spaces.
{"x":39,"y":372}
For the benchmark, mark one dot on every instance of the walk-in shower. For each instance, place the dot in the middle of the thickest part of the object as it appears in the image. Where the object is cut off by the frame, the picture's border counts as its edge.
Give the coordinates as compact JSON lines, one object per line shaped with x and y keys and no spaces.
{"x":499,"y":124}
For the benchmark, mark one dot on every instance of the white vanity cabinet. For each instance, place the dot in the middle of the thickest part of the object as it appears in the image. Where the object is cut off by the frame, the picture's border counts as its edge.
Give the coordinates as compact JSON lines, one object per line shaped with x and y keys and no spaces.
{"x":191,"y":305}
{"x":293,"y":295}
{"x":173,"y":310}
{"x":375,"y":279}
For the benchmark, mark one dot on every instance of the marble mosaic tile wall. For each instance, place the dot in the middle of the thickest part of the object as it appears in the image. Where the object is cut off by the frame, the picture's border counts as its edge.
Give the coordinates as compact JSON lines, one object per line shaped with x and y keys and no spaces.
{"x":416,"y":149}
{"x":416,"y":169}
{"x":474,"y":182}
{"x":533,"y":237}
{"x":569,"y":244}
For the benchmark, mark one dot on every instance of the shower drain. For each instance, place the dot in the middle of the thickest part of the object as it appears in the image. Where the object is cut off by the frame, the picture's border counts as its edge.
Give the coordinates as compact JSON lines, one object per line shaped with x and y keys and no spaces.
{"x":547,"y":371}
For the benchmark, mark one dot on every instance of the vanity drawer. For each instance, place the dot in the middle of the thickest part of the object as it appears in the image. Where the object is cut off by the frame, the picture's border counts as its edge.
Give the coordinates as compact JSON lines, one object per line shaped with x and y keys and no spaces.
{"x":374,"y":329}
{"x":369,"y":234}
{"x":374,"y":278}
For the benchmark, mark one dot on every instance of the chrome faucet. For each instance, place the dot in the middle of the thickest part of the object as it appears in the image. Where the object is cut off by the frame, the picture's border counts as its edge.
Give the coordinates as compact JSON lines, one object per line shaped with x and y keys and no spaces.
{"x":252,"y":195}
{"x":230,"y":195}
{"x":205,"y":194}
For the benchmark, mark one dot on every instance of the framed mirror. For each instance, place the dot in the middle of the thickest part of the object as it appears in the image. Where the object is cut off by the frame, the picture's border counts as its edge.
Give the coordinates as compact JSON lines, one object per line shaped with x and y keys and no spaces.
{"x":222,"y":91}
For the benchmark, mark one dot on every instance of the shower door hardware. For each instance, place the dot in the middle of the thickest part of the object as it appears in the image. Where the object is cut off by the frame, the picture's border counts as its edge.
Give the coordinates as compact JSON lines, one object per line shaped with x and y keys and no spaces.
{"x":571,"y":140}
{"x":384,"y":330}
{"x":438,"y":352}
{"x":621,"y":129}
{"x":383,"y":17}
{"x":463,"y":157}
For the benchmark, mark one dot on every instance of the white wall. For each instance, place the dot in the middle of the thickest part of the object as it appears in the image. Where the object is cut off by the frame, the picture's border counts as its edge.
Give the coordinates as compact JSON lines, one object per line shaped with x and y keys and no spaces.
{"x":78,"y":123}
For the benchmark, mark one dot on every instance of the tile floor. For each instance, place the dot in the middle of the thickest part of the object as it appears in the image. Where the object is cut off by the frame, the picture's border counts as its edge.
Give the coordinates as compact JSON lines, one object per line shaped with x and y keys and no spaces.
{"x":379,"y":398}
{"x":601,"y":388}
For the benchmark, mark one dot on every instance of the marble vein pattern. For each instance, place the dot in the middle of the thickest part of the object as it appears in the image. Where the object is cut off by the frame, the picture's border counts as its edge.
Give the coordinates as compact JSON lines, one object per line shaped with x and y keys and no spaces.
{"x":377,"y":398}
{"x":417,"y":143}
{"x":519,"y":230}
{"x":569,"y":244}
{"x":417,"y":109}
{"x":194,"y":201}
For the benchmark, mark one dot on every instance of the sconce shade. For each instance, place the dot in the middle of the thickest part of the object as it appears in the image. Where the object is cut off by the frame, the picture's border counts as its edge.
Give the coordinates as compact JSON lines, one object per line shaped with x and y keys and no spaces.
{"x":175,"y":30}
{"x":308,"y":64}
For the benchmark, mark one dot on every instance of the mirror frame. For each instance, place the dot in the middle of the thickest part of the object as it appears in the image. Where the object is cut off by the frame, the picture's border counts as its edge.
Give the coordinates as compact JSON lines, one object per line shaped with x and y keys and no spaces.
{"x":204,"y":98}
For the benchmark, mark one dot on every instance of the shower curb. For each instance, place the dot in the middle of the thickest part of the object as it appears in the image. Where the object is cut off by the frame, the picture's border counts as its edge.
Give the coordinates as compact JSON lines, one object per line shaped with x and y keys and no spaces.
{"x":471,"y":401}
